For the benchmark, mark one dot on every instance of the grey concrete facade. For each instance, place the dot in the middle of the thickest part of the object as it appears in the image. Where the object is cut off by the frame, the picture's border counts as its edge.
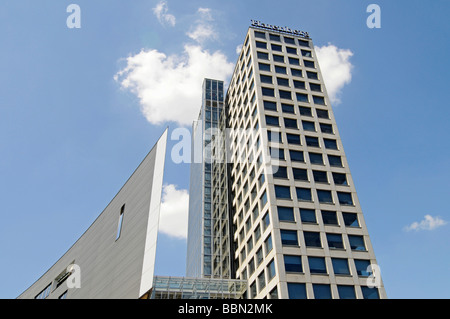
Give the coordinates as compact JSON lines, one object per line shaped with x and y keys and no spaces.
{"x":112,"y":266}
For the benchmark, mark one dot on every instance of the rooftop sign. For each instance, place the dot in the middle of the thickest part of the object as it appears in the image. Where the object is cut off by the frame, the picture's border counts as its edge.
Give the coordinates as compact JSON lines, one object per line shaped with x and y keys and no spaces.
{"x":259,"y":24}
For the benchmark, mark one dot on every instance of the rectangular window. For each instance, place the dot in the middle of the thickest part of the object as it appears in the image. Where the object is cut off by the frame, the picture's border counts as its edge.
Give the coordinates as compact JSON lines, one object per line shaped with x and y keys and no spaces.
{"x":320,"y":177}
{"x":119,"y":226}
{"x":330,"y":144}
{"x":312,"y":75}
{"x":287,"y":108}
{"x":309,"y":126}
{"x":262,"y":55}
{"x":312,"y":141}
{"x":268,"y":244}
{"x":264,"y":67}
{"x":266,"y":221}
{"x":276,"y":47}
{"x":357,"y":242}
{"x":276,"y":153}
{"x":315,"y":87}
{"x":345,"y":198}
{"x":340,"y":179}
{"x":302,"y":43}
{"x":329,"y":217}
{"x":272,"y":120}
{"x":281,"y":172}
{"x":306,"y":53}
{"x":300,"y":174}
{"x":270,"y":106}
{"x":322,"y":291}
{"x":370,"y":293}
{"x":299,"y":85}
{"x":293,"y":263}
{"x":303,"y":194}
{"x":253,"y":291}
{"x":324,"y":196}
{"x":261,"y":35}
{"x":317,"y":265}
{"x":263,"y":200}
{"x":268,"y":91}
{"x":265,"y":78}
{"x":350,"y":219}
{"x":319,"y":100}
{"x":285,"y":94}
{"x":312,"y":239}
{"x":296,"y":72}
{"x":293,"y":139}
{"x":362,"y":267}
{"x":282,"y":192}
{"x":346,"y":292}
{"x":335,"y":241}
{"x":283,"y":82}
{"x":271,"y":271}
{"x":261,"y":45}
{"x":294,"y":61}
{"x":340,"y":266}
{"x":305,"y":111}
{"x":289,"y":237}
{"x":278,"y":58}
{"x":274,"y":137}
{"x":326,"y":128}
{"x":259,"y":256}
{"x":301,"y":97}
{"x":322,"y":114}
{"x":274,"y":37}
{"x":296,"y":290}
{"x":280,"y":69}
{"x":335,"y":161}
{"x":296,"y":156}
{"x":291,"y":50}
{"x":308,"y":216}
{"x":290,"y":123}
{"x":316,"y":158}
{"x":309,"y":64}
{"x":261,"y":280}
{"x":285,"y":214}
{"x":289,"y":40}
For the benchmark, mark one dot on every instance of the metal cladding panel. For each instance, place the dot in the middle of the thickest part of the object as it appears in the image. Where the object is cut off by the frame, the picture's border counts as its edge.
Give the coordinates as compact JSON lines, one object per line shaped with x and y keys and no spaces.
{"x":111,"y":267}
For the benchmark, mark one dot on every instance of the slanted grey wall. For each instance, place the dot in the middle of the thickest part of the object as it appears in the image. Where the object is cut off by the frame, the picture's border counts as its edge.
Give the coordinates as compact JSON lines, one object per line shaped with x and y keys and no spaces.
{"x":121,"y":268}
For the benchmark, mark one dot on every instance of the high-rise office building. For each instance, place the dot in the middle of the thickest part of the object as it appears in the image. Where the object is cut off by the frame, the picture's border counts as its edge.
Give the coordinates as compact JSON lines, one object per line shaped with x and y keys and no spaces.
{"x":296,"y":227}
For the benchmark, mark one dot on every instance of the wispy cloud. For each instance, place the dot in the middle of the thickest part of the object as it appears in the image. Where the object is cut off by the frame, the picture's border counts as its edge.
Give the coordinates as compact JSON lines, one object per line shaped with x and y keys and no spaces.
{"x":428,"y":223}
{"x":162,"y":13}
{"x":336,"y":69}
{"x":174,"y":212}
{"x":203,"y":28}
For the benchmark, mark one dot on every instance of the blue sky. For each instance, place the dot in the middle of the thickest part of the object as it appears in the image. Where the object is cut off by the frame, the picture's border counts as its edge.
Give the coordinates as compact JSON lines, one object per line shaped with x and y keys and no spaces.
{"x":72,"y":131}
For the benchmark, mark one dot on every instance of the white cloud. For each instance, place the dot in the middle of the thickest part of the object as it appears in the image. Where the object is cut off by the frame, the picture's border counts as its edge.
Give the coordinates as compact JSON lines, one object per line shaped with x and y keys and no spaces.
{"x":161,"y":11}
{"x":173,"y":219}
{"x":239,"y":49}
{"x":169,"y":88}
{"x":203,"y":29}
{"x":428,"y":223}
{"x":336,"y":69}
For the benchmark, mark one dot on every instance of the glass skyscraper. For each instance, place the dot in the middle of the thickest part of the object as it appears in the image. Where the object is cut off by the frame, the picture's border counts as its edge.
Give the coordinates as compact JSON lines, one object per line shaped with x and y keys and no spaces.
{"x":199,"y":262}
